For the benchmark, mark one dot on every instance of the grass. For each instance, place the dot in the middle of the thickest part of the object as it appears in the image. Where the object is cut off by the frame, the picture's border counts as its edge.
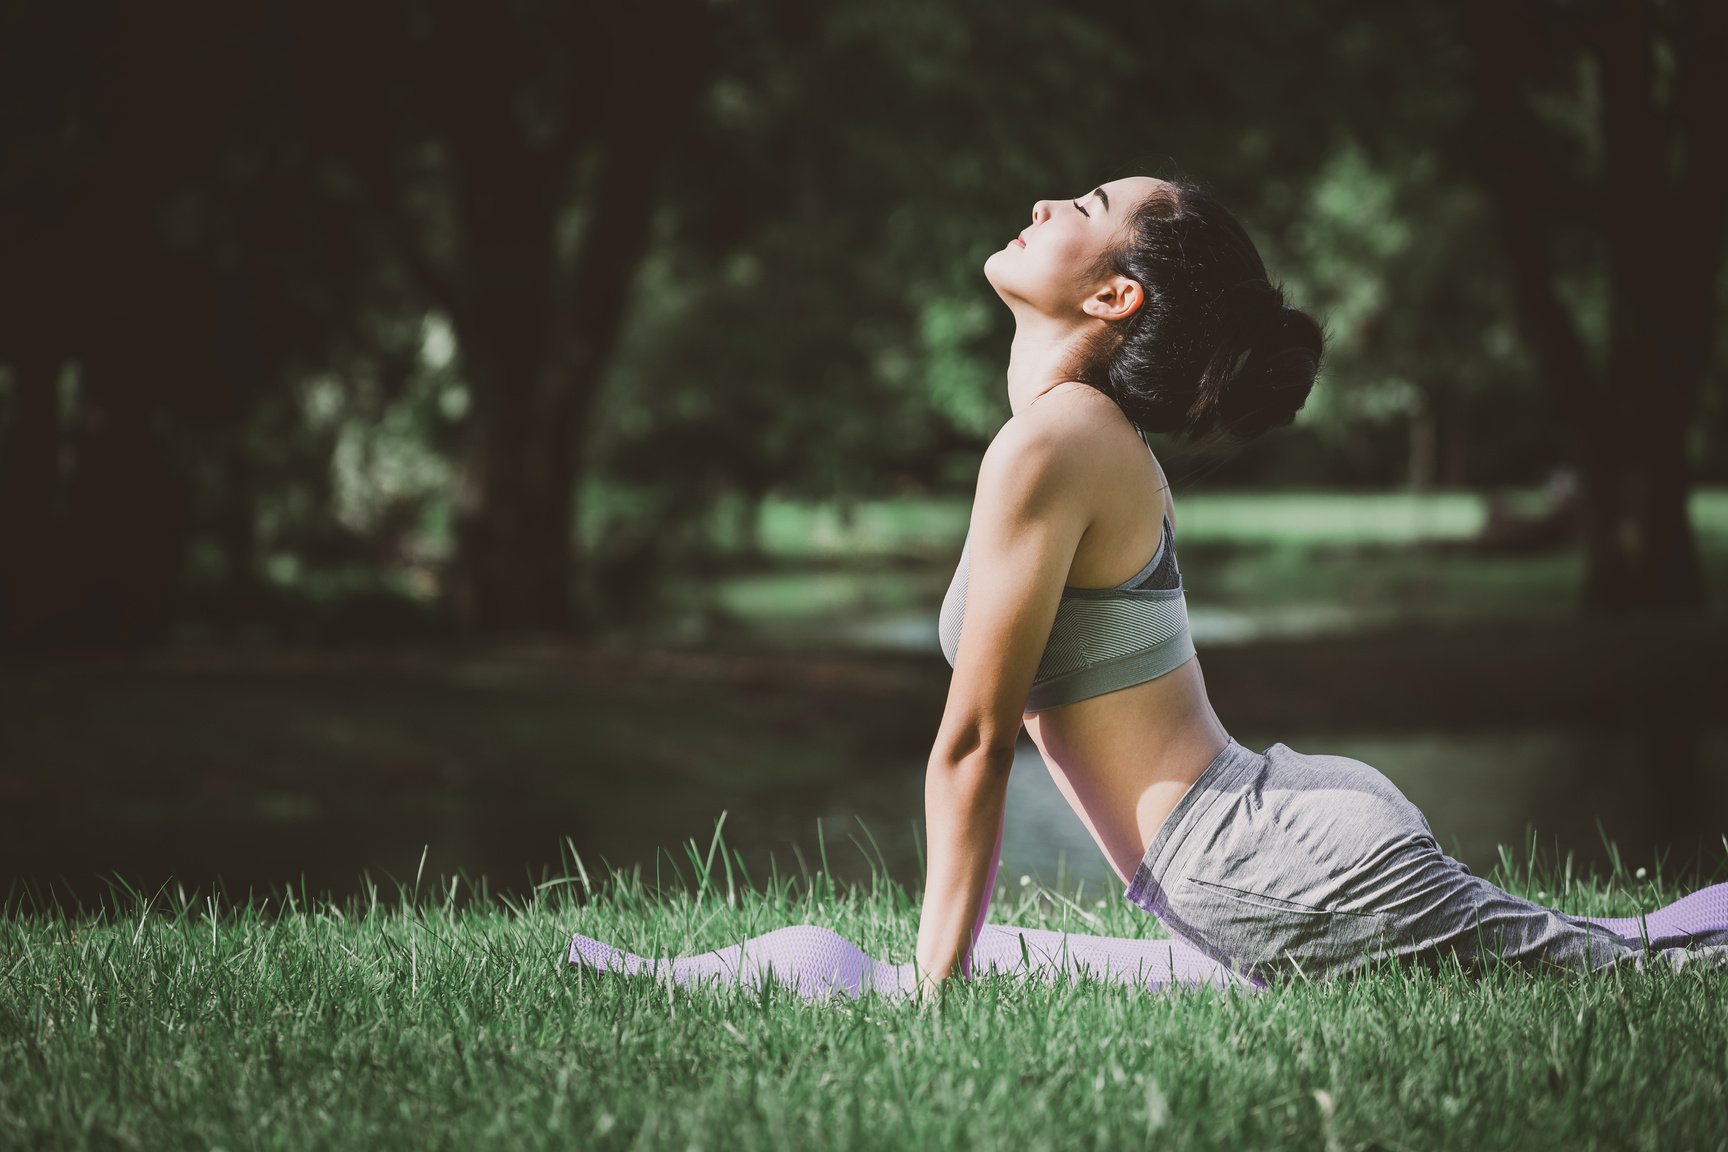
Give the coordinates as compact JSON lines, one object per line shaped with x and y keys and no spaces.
{"x":795,"y":529}
{"x":435,"y":1017}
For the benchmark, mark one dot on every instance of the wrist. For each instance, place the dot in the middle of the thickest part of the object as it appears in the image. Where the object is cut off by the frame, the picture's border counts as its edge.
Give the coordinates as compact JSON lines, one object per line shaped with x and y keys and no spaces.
{"x":932,"y":983}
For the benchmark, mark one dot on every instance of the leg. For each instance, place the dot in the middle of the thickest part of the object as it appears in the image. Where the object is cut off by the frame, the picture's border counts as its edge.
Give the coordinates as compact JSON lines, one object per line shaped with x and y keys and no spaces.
{"x":1434,"y":908}
{"x":1317,"y":864}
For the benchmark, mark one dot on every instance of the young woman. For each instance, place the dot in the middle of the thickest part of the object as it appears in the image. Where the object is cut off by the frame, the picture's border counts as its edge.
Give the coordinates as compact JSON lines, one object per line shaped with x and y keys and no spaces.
{"x":1143,"y":306}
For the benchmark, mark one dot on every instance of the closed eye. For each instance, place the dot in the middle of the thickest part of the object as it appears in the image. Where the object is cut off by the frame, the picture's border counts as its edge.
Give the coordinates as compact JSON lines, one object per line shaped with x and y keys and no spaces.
{"x":1081,"y":210}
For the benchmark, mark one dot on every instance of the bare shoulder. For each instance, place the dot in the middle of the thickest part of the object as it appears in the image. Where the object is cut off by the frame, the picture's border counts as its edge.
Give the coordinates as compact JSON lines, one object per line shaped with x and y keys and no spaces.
{"x":1056,"y":437}
{"x":1072,"y":450}
{"x":1054,"y":443}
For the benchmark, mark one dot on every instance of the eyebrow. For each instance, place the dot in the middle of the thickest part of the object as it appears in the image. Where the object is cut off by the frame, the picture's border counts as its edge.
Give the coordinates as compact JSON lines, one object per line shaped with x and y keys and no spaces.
{"x":1099,"y":192}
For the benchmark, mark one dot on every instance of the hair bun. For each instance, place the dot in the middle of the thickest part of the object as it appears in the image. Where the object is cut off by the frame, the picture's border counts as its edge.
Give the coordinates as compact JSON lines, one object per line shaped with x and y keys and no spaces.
{"x":1274,"y":381}
{"x":1248,"y":309}
{"x":1214,"y":351}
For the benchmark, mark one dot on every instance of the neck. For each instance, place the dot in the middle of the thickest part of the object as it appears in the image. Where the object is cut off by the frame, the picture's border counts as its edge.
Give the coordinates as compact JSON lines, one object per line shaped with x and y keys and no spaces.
{"x":1043,"y":352}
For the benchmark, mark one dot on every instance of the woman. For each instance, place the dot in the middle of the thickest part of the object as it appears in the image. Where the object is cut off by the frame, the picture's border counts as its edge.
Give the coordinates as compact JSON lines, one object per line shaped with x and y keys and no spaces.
{"x":1144,"y":306}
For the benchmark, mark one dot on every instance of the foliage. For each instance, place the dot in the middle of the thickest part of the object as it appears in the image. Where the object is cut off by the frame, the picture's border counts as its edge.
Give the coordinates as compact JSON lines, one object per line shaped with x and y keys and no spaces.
{"x":805,"y":317}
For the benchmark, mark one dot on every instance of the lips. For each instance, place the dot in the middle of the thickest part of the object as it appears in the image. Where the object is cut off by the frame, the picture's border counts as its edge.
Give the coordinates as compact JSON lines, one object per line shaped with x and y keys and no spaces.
{"x":1020,"y":240}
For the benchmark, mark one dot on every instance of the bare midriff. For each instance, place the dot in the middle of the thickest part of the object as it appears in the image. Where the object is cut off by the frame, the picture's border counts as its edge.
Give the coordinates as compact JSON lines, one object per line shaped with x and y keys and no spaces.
{"x":1124,"y":759}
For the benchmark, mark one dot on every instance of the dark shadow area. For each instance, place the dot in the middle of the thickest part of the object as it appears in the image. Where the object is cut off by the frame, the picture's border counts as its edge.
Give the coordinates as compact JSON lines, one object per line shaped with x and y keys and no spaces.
{"x":349,"y":352}
{"x":272,"y":771}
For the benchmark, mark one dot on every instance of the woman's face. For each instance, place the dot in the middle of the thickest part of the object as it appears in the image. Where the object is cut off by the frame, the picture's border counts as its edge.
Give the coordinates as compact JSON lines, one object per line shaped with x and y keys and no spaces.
{"x":1051,"y":266}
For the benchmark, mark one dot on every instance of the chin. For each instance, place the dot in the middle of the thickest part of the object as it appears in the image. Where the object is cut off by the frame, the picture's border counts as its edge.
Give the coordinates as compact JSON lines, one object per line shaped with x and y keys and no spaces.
{"x":1003,"y":285}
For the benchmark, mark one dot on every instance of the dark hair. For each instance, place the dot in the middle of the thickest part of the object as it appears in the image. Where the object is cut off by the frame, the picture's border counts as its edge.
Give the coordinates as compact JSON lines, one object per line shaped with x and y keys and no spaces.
{"x":1177,"y":365}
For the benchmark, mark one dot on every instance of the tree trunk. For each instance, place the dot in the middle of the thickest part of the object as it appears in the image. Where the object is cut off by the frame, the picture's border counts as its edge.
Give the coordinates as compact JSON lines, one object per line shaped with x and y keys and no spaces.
{"x":29,"y":482}
{"x":1424,"y":444}
{"x":747,"y":522}
{"x":1639,"y":547}
{"x":129,"y":514}
{"x":514,"y":513}
{"x":237,"y":533}
{"x":536,"y":365}
{"x":537,"y":330}
{"x":1455,"y":439}
{"x":1663,"y":224}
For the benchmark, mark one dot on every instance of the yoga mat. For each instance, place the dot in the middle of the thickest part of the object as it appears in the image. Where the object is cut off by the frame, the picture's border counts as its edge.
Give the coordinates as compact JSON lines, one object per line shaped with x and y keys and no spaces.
{"x":816,"y":962}
{"x":1702,"y":913}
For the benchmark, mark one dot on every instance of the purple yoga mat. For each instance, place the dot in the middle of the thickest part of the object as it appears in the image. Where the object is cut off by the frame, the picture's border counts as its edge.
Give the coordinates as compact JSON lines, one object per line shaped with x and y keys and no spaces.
{"x":816,"y":962}
{"x":1702,"y":913}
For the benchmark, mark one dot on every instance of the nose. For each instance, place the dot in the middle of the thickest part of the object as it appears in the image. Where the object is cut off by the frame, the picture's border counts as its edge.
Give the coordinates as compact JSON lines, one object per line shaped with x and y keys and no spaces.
{"x":1041,"y":211}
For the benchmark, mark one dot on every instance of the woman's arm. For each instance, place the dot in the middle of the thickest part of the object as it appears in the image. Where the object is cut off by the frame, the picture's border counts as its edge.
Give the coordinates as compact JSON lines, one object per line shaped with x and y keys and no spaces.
{"x":989,"y":890}
{"x":1027,"y":519}
{"x":963,"y":809}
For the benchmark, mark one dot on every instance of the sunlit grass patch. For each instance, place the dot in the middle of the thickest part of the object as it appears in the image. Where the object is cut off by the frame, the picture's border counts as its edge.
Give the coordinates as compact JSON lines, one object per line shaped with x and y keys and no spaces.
{"x":420,"y":1018}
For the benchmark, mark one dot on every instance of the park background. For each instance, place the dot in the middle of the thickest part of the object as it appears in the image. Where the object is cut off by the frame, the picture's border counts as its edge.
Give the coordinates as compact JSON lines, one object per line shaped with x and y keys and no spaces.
{"x":461,"y":441}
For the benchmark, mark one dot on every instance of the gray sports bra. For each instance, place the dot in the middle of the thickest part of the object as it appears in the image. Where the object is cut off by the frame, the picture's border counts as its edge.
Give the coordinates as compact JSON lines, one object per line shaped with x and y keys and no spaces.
{"x":1103,"y":639}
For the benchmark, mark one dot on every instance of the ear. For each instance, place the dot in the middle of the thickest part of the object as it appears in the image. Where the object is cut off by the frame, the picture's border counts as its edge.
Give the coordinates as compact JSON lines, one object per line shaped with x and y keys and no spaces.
{"x":1117,"y":298}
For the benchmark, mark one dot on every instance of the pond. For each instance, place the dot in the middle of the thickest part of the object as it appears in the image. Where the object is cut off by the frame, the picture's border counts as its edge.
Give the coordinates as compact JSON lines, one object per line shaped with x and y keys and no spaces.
{"x":328,"y":778}
{"x":797,"y":695}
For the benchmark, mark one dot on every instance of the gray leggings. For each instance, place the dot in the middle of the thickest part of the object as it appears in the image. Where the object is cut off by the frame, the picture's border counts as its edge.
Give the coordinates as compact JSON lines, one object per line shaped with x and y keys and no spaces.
{"x":1283,"y":862}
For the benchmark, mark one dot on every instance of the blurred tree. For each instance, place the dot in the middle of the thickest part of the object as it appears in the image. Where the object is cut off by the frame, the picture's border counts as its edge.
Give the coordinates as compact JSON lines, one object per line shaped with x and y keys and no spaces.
{"x":1614,"y":106}
{"x":811,"y":321}
{"x":167,"y":270}
{"x":514,"y":156}
{"x":1330,"y":130}
{"x":844,"y":342}
{"x":730,"y":248}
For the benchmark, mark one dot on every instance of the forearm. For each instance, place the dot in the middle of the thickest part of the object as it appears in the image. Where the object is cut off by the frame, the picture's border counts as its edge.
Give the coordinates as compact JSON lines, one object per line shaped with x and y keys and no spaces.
{"x":989,"y":890}
{"x":964,"y":802}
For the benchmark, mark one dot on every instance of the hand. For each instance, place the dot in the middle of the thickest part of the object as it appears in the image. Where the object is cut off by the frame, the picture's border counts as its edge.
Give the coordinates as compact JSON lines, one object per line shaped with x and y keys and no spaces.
{"x":930,"y":985}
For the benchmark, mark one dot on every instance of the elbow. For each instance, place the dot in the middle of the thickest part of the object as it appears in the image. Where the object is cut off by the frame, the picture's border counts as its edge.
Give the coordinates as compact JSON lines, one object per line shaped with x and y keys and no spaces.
{"x":979,"y":747}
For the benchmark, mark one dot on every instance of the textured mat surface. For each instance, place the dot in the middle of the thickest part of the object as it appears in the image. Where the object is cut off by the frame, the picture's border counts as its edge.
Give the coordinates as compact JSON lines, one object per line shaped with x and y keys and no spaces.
{"x":816,"y":962}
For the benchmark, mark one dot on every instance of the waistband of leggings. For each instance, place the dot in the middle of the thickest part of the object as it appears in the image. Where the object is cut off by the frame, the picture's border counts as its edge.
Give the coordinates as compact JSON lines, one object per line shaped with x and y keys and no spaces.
{"x":1224,"y":777}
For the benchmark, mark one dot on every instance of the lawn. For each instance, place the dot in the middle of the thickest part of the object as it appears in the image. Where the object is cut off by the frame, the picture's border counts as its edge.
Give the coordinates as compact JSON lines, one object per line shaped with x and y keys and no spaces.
{"x":432,"y":1014}
{"x":442,"y":1020}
